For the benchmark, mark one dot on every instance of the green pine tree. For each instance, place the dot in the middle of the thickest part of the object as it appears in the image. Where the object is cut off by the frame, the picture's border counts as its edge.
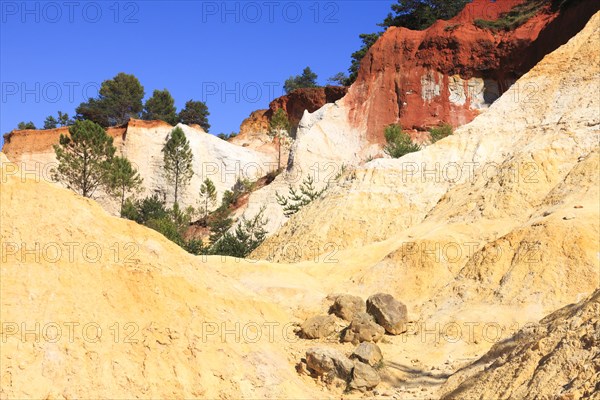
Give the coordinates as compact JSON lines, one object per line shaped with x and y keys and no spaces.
{"x":178,"y":158}
{"x":208,"y":198}
{"x":50,"y":122}
{"x":161,"y":106}
{"x":84,"y":158}
{"x":123,"y":179}
{"x":298,"y":198}
{"x":195,"y":112}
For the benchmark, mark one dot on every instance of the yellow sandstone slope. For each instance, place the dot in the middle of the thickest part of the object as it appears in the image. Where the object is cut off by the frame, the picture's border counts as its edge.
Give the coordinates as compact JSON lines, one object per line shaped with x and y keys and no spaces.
{"x":93,"y":306}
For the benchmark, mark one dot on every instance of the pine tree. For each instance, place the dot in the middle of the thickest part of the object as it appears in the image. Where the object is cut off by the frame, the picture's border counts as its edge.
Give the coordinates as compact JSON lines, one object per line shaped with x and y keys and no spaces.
{"x":26,"y":125}
{"x":297,"y":199}
{"x":208,"y":198}
{"x":195,"y":112}
{"x":50,"y":122}
{"x":161,"y":106}
{"x":248,"y":235}
{"x":308,"y":79}
{"x":84,"y":158}
{"x":119,"y":100}
{"x":178,"y":158}
{"x":280,"y":131}
{"x":123,"y":178}
{"x":63,"y":119}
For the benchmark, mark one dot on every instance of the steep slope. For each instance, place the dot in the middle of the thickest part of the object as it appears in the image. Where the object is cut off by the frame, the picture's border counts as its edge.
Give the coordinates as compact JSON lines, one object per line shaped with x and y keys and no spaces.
{"x":94,"y":306}
{"x":557,"y":358}
{"x":419,"y":79}
{"x":142,"y":143}
{"x":453,"y":69}
{"x":507,"y":205}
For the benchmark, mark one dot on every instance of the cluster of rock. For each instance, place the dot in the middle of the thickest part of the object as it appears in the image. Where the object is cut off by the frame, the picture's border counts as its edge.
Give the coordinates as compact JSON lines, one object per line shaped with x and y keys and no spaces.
{"x":363,"y":325}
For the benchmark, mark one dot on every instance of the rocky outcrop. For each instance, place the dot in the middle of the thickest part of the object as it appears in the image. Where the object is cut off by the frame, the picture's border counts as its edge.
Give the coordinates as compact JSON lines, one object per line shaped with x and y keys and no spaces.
{"x":330,"y":363}
{"x":363,"y":328}
{"x":294,"y":104}
{"x":306,"y":99}
{"x":557,"y":358}
{"x":454,"y":69}
{"x":141,"y":142}
{"x":364,"y":377}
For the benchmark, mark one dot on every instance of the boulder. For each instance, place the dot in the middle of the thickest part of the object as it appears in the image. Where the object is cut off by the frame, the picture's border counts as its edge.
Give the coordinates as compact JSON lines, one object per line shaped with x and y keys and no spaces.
{"x":364,"y":377}
{"x":368,"y":353}
{"x":388,"y":312}
{"x":347,"y":306}
{"x":319,"y":327}
{"x":330,"y":363}
{"x":363,"y":328}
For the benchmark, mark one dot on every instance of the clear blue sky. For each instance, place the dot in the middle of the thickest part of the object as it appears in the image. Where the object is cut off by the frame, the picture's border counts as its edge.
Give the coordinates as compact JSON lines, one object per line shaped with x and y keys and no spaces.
{"x":233,"y":55}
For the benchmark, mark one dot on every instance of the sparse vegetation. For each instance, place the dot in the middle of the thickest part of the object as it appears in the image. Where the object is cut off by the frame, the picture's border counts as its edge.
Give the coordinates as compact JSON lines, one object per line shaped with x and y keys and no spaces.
{"x":119,"y":100}
{"x":63,"y":120}
{"x":440,"y":132}
{"x":25,"y":125}
{"x":308,"y":79}
{"x":208,"y":198}
{"x":298,"y":198}
{"x":451,"y":27}
{"x":195,"y":112}
{"x":513,"y":18}
{"x":123,"y":179}
{"x":224,"y":136}
{"x":279,"y":130}
{"x":398,"y":142}
{"x":248,"y":235}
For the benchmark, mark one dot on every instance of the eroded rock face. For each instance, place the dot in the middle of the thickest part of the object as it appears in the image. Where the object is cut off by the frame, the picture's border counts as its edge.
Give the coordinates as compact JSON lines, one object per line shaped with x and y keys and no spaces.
{"x":388,"y":312}
{"x":452,"y":70}
{"x":307,"y":99}
{"x":295,"y":104}
{"x":142,"y":142}
{"x":556,"y":359}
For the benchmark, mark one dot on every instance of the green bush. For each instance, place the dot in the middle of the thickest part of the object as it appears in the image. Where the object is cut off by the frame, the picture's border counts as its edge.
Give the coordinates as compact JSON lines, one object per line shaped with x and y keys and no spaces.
{"x":398,"y":142}
{"x":248,"y":235}
{"x":440,"y":132}
{"x":297,"y":199}
{"x":514,"y":18}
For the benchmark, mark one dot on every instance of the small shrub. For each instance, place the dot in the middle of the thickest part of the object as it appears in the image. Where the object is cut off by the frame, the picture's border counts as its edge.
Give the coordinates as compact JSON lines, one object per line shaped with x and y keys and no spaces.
{"x":248,"y":235}
{"x":440,"y":132}
{"x":298,"y":198}
{"x":451,"y":28}
{"x":514,"y":18}
{"x":398,"y":142}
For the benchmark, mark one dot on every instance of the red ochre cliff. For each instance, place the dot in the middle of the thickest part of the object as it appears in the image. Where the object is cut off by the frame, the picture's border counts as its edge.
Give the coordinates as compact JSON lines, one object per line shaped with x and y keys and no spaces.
{"x":451,"y":71}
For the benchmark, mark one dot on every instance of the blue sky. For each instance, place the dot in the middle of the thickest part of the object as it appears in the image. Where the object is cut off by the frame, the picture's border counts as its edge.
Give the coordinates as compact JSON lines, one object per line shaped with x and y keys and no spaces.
{"x":234,"y":55}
